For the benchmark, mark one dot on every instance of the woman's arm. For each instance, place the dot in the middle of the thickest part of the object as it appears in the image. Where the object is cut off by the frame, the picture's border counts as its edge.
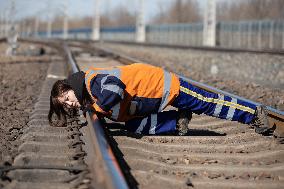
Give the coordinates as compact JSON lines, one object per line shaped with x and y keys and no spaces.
{"x":108,"y":90}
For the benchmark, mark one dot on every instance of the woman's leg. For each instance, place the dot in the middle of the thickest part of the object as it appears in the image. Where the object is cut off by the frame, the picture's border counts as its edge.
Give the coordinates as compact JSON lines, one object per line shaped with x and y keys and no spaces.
{"x":200,"y":101}
{"x":162,"y":122}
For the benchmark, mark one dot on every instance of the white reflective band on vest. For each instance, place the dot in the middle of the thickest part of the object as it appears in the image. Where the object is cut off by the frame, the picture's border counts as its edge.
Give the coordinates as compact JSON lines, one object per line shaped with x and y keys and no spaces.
{"x":166,"y":91}
{"x":231,"y":110}
{"x":142,"y":125}
{"x":154,"y":122}
{"x":115,"y":72}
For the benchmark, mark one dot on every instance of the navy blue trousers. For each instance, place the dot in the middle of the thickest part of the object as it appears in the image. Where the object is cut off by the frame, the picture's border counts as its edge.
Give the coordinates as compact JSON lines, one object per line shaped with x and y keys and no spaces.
{"x":198,"y":101}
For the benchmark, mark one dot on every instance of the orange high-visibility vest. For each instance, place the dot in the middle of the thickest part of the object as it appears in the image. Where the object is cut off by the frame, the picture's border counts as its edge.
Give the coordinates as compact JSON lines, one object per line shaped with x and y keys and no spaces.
{"x":141,"y":80}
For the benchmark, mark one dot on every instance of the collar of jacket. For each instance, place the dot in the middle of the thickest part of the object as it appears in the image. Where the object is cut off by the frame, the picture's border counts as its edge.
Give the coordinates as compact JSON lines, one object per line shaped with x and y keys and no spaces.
{"x":77,"y":82}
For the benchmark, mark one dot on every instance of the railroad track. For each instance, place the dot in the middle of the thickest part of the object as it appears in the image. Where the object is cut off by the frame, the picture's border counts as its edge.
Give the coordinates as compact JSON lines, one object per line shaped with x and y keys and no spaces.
{"x":217,"y":154}
{"x":202,"y":48}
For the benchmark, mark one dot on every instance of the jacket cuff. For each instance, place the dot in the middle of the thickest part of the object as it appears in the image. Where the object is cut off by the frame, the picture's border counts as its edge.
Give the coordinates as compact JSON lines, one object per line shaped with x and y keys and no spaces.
{"x":99,"y":109}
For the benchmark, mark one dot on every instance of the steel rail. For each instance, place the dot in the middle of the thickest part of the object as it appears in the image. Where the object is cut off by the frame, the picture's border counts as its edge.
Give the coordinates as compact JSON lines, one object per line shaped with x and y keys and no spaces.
{"x":189,"y":47}
{"x":114,"y":177}
{"x":204,"y":48}
{"x":275,"y":117}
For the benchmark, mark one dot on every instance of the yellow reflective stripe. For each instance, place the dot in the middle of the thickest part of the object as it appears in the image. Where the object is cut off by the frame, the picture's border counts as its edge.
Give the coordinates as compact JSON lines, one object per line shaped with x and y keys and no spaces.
{"x":217,"y":101}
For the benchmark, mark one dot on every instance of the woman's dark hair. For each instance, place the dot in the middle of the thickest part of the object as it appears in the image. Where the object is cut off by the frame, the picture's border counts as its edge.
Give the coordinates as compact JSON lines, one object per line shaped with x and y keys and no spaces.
{"x":59,"y":87}
{"x":56,"y":107}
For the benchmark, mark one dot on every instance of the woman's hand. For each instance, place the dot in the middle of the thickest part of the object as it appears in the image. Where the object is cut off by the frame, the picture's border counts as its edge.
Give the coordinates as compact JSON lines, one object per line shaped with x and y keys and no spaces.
{"x":95,"y":117}
{"x":88,"y":108}
{"x":99,"y":113}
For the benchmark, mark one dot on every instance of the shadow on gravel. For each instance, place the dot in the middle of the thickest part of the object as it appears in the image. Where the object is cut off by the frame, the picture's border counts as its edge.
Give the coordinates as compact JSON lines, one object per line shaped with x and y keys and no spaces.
{"x":202,"y":132}
{"x":117,"y":129}
{"x":132,"y":182}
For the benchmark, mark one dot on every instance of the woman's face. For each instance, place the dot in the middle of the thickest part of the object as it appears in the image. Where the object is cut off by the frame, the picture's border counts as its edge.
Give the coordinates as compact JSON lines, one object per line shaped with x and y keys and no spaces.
{"x":69,"y":99}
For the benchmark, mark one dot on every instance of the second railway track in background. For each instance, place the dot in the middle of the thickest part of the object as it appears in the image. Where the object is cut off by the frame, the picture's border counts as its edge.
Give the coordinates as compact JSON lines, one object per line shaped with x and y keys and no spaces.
{"x":217,"y":154}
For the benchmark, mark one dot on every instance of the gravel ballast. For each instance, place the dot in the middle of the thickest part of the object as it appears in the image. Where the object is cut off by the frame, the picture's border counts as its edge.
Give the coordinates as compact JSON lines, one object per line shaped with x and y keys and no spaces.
{"x":20,"y":86}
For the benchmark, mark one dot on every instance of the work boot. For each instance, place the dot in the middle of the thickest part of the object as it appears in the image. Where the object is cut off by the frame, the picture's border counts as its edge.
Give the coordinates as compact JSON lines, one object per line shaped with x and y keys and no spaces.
{"x":184,"y":116}
{"x":260,"y":122}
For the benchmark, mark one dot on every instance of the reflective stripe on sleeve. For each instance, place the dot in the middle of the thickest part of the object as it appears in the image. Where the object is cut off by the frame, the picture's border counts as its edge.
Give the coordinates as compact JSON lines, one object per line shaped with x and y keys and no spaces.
{"x":113,"y":88}
{"x":115,"y":111}
{"x":166,"y":91}
{"x":133,"y":107}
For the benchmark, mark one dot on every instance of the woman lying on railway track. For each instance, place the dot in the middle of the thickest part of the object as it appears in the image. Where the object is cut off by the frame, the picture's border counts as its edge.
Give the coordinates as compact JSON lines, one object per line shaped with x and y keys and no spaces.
{"x":138,"y":93}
